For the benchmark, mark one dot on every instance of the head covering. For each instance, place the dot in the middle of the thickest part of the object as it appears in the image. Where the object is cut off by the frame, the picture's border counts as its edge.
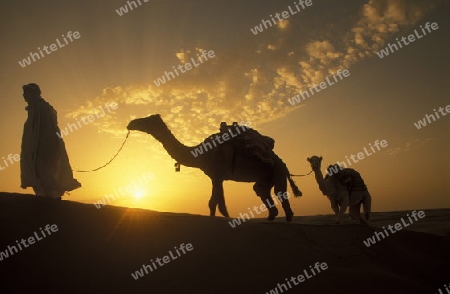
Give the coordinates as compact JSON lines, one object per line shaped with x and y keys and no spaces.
{"x":31,"y":88}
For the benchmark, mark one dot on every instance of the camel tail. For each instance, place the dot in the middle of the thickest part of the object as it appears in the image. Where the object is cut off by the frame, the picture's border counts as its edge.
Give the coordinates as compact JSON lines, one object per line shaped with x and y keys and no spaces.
{"x":295,"y":189}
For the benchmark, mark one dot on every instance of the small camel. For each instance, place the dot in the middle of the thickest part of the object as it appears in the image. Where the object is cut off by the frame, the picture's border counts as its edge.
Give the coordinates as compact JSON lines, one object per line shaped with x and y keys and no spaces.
{"x":224,"y":163}
{"x":337,"y":192}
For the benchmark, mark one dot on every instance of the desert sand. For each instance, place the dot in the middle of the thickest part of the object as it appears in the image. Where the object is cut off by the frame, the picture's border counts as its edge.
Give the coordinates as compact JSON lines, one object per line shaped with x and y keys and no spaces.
{"x":97,"y":250}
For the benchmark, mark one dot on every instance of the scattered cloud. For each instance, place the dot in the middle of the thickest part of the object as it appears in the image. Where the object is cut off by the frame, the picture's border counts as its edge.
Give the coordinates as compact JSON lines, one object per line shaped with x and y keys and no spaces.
{"x":254,"y":83}
{"x":409,"y":145}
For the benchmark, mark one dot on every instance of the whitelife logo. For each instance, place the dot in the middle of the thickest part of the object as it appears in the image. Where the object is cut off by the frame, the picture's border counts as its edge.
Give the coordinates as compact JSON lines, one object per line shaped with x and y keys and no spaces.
{"x":281,"y":287}
{"x":31,"y":240}
{"x":285,"y":15}
{"x":393,"y":229}
{"x":16,"y":158}
{"x":165,"y":260}
{"x":86,"y":120}
{"x":243,"y":217}
{"x":124,"y":9}
{"x":184,"y":67}
{"x":340,"y":73}
{"x":423,"y":123}
{"x":199,"y":150}
{"x":131,"y":188}
{"x":360,"y":155}
{"x":35,"y":56}
{"x":411,"y":38}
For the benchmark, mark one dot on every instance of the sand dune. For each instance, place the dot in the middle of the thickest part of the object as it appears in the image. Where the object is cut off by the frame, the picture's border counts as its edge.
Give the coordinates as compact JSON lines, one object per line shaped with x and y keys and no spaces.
{"x":97,"y":250}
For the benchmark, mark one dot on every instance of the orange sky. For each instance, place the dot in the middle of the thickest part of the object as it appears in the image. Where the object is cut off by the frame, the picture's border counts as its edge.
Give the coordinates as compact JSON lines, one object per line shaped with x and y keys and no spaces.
{"x":250,"y":78}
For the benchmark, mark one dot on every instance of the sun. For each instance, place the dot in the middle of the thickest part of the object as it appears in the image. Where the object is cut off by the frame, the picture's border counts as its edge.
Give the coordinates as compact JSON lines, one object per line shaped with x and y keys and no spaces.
{"x":138,"y":194}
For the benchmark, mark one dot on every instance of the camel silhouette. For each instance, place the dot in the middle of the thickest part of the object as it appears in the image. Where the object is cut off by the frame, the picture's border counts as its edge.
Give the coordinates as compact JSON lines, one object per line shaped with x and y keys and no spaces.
{"x":225,"y":163}
{"x":339,"y":196}
{"x":331,"y":187}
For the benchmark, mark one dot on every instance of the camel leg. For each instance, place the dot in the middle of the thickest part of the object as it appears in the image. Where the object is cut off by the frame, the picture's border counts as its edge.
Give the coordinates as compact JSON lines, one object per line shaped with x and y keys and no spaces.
{"x":285,"y":204}
{"x":263,"y":191}
{"x":280,"y":189}
{"x":219,"y":195}
{"x":361,"y":198}
{"x":367,"y":205}
{"x":212,"y":205}
{"x":217,"y":199}
{"x":356,"y":214}
{"x":354,"y":211}
{"x":342,"y":209}
{"x":335,"y":208}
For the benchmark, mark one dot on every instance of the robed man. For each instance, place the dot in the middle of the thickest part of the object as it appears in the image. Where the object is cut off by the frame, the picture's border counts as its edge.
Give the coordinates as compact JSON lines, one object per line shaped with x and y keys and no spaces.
{"x":44,"y":164}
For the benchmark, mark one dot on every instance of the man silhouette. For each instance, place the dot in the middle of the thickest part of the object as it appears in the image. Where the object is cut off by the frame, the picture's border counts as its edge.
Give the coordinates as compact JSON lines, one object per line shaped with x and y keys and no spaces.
{"x":44,"y":164}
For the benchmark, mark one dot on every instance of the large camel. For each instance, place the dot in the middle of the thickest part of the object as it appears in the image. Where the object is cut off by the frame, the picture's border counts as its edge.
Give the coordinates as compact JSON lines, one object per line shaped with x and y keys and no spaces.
{"x":224,"y":163}
{"x":339,"y":196}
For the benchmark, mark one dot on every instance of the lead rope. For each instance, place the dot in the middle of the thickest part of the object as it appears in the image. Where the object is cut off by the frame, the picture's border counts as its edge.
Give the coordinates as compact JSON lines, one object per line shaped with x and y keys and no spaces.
{"x":120,"y":149}
{"x":301,"y":175}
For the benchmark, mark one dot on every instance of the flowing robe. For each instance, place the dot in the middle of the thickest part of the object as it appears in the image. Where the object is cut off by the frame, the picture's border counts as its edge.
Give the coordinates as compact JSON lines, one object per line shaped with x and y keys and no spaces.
{"x":44,"y":163}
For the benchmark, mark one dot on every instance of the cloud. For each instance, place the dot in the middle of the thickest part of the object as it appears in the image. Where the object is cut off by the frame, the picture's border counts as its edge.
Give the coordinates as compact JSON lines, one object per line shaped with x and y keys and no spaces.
{"x":409,"y":145}
{"x":254,"y":83}
{"x":380,"y":20}
{"x":283,"y":24}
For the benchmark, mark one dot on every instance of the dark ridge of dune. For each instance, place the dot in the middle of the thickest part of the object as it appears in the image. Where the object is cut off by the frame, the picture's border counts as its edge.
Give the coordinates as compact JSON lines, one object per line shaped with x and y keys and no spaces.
{"x":97,"y":250}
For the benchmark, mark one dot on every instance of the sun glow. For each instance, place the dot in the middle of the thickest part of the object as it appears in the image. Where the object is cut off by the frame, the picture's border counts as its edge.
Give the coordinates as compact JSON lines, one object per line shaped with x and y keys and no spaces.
{"x":138,"y":194}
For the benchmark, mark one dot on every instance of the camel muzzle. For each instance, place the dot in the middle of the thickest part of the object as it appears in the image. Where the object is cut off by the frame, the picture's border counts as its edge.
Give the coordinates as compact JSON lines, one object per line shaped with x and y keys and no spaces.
{"x":131,"y":126}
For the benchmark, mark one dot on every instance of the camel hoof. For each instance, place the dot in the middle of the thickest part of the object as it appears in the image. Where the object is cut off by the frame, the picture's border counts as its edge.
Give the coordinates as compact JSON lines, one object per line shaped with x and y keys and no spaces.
{"x":289,"y":215}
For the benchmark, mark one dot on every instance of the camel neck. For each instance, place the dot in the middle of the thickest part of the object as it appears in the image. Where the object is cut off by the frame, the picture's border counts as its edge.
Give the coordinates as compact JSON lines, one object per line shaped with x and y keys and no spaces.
{"x":318,"y":172}
{"x":178,"y":151}
{"x":320,"y":180}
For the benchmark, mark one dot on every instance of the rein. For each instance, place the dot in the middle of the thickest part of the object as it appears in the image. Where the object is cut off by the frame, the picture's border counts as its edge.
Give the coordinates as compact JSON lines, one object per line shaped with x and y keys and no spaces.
{"x":301,"y":175}
{"x":120,"y":149}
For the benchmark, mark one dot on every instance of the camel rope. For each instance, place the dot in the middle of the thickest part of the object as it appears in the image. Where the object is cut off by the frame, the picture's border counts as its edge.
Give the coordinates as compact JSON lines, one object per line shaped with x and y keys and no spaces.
{"x":301,"y":175}
{"x":120,"y":149}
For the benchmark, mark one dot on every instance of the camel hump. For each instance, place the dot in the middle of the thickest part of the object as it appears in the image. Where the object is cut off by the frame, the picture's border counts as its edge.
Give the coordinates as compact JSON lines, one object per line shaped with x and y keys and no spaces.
{"x":259,"y":146}
{"x":249,"y":142}
{"x":353,"y":179}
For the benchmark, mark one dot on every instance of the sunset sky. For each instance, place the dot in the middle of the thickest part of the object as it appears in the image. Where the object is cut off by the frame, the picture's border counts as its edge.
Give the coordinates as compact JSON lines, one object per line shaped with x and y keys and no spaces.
{"x":250,"y":78}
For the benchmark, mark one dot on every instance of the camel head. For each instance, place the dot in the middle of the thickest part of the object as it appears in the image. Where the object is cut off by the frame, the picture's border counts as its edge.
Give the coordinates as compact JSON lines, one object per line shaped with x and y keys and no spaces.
{"x":315,"y":162}
{"x":150,"y":124}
